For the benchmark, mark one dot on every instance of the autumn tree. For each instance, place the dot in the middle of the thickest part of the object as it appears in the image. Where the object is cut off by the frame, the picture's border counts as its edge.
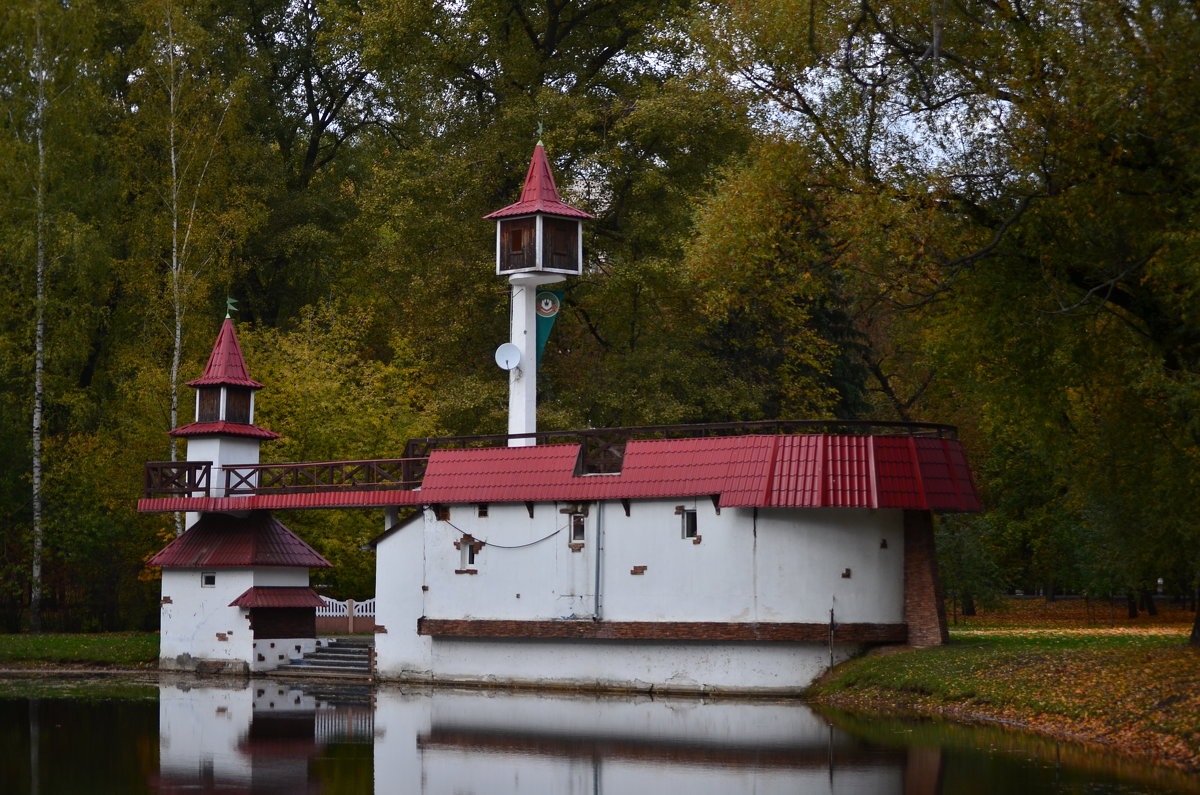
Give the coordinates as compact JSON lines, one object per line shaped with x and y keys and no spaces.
{"x":1018,"y":178}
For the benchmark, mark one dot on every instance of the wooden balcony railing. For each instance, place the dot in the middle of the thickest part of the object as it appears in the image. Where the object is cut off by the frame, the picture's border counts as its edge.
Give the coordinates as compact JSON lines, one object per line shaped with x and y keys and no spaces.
{"x":367,"y":475}
{"x":177,"y":478}
{"x":194,"y":478}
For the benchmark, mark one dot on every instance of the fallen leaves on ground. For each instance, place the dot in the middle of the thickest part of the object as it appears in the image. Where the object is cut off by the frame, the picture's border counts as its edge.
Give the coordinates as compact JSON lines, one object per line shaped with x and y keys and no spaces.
{"x":1133,"y":688}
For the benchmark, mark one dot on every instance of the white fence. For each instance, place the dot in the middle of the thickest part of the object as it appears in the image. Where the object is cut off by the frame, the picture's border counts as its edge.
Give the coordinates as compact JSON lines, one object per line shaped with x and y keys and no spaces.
{"x":335,"y":609}
{"x":348,"y":616}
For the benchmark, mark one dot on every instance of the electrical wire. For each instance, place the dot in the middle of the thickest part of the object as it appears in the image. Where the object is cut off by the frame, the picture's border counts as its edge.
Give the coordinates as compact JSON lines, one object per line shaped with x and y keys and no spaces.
{"x":489,"y":544}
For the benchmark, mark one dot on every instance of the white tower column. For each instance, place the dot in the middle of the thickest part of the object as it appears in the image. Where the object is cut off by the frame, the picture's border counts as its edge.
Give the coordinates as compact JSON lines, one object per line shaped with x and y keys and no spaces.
{"x":522,"y":379}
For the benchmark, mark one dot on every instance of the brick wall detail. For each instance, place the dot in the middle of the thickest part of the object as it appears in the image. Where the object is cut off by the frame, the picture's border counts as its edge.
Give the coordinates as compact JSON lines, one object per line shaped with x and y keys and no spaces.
{"x":924,"y":609}
{"x":662,"y":630}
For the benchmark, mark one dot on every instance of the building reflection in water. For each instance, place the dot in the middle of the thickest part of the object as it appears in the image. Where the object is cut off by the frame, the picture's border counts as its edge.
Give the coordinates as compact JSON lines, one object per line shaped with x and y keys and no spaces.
{"x":269,"y":738}
{"x":260,"y":738}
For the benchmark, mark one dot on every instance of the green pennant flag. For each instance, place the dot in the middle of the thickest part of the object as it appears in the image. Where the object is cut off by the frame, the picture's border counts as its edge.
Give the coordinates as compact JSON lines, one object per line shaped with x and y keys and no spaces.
{"x":548,"y":304}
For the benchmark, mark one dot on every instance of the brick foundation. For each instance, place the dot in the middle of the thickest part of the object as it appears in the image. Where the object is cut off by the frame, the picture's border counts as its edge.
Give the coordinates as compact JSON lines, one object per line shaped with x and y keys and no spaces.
{"x":662,"y":630}
{"x":924,"y":610}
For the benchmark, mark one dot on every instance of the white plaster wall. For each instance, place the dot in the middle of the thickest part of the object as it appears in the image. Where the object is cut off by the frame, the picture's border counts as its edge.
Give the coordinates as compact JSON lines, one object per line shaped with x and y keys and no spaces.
{"x":279,"y":576}
{"x":782,"y":668}
{"x":278,"y":651}
{"x":784,"y":565}
{"x":196,"y":617}
{"x":526,"y":570}
{"x":803,"y":553}
{"x":400,"y":601}
{"x":222,"y":451}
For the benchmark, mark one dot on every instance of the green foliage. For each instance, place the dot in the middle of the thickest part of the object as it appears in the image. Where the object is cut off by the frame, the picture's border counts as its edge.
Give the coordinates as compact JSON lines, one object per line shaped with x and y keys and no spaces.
{"x":766,"y":270}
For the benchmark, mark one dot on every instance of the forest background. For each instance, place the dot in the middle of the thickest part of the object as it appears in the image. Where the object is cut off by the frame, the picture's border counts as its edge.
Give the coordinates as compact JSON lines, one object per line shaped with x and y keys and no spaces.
{"x":981,"y":212}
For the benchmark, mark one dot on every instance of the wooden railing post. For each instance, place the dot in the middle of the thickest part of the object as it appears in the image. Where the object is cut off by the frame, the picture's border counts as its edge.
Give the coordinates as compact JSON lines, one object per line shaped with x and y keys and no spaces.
{"x":349,"y":616}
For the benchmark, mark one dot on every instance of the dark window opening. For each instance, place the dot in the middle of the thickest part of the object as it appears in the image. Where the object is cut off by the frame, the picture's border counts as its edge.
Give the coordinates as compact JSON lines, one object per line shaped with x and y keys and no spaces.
{"x":578,"y":528}
{"x":560,"y":244}
{"x":689,"y":523}
{"x":482,"y":510}
{"x":208,"y":579}
{"x":210,"y":404}
{"x":237,"y":405}
{"x":516,"y":244}
{"x":441,"y":513}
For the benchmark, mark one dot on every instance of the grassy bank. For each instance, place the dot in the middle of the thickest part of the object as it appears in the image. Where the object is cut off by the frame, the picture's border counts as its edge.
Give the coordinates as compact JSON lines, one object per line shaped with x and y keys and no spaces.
{"x":112,"y":649}
{"x":1133,"y":688}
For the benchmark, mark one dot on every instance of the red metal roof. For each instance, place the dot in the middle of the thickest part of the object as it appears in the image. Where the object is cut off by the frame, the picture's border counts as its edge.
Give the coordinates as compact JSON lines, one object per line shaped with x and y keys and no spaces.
{"x":222,"y":428}
{"x":539,"y":194}
{"x":278,"y":596}
{"x":219,"y":540}
{"x":225,"y":363}
{"x":786,"y":471}
{"x":782,"y":471}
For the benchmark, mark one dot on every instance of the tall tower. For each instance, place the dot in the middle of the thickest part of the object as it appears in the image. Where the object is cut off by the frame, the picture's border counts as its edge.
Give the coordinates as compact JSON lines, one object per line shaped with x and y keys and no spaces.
{"x":539,"y":241}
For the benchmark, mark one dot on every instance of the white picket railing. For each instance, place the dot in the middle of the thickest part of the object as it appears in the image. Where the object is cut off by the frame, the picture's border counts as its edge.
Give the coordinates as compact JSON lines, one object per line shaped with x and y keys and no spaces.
{"x":343,"y":617}
{"x":335,"y":609}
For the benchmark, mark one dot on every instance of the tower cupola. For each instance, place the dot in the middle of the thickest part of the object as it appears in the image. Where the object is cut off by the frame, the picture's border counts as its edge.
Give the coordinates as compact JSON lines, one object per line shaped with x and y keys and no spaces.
{"x":224,"y":433}
{"x":540,"y":234}
{"x":225,"y":393}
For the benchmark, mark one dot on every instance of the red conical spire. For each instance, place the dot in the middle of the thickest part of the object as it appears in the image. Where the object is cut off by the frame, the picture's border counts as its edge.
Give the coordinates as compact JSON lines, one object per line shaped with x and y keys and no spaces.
{"x":540,"y":194}
{"x":225,"y":364}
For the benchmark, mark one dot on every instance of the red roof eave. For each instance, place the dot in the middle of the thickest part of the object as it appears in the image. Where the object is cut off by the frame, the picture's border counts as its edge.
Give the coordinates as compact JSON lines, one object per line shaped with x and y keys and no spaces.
{"x":222,"y":428}
{"x":278,"y":596}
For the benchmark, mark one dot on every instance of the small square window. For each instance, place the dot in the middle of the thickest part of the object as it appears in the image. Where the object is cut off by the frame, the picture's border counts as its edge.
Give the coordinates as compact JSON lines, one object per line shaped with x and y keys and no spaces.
{"x":578,"y":528}
{"x":481,"y":510}
{"x":441,"y":513}
{"x":689,"y":523}
{"x":208,"y":579}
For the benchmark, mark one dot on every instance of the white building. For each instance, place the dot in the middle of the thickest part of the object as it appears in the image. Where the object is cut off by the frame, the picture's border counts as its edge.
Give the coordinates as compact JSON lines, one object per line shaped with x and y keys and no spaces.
{"x":734,"y":563}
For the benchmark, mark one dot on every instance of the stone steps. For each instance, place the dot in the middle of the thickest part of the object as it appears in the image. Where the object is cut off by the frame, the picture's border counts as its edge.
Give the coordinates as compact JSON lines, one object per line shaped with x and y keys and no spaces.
{"x":345,"y":658}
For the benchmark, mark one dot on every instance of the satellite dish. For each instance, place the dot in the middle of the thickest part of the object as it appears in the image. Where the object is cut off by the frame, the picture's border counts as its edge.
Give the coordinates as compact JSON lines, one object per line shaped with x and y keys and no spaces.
{"x":508,"y":356}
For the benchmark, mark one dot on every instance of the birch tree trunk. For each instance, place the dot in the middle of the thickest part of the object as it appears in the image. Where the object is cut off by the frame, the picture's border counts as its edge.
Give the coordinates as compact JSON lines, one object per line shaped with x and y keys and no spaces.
{"x":189,"y":157}
{"x":39,"y":346}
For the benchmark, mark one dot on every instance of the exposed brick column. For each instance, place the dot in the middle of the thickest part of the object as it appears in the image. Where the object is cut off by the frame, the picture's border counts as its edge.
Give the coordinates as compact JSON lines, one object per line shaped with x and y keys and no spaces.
{"x":924,"y":610}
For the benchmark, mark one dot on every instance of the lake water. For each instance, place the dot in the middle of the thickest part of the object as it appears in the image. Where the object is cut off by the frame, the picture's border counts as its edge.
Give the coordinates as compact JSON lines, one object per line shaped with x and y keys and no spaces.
{"x":187,"y":735}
